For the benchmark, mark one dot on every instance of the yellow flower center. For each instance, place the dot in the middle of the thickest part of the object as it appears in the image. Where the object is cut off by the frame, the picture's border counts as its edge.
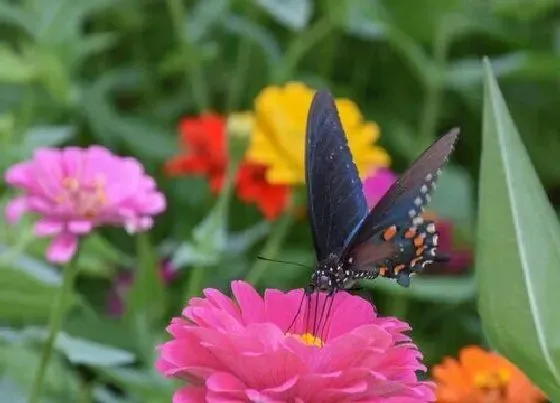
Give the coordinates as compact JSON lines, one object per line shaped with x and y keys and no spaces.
{"x":310,"y":339}
{"x":86,"y":199}
{"x":492,"y":384}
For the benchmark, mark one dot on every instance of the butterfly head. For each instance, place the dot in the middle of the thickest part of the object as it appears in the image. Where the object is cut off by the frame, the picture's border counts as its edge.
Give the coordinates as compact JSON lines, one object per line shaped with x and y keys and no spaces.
{"x":332,"y":274}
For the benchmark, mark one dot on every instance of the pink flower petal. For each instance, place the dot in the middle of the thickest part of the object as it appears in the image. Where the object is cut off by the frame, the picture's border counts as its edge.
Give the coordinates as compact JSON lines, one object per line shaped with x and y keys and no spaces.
{"x":48,"y":227}
{"x":62,"y":248}
{"x":16,"y":208}
{"x":80,"y":227}
{"x":190,"y":394}
{"x":250,"y":302}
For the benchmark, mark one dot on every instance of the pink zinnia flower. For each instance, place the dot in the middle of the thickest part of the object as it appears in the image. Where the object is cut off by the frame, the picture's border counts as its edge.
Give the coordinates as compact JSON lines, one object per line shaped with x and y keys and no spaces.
{"x":75,"y":190}
{"x":238,"y":351}
{"x":123,"y":282}
{"x":377,"y":184}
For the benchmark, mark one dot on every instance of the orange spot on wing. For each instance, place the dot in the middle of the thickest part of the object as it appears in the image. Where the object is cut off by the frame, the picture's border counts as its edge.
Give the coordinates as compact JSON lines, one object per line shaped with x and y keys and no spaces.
{"x":390,"y":232}
{"x":410,"y":233}
{"x":419,"y":241}
{"x":382,"y":271}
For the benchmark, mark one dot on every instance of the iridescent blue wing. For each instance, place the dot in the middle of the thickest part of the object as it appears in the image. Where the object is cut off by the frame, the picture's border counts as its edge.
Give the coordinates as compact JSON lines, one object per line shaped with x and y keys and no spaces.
{"x":396,"y":220}
{"x":336,"y":203}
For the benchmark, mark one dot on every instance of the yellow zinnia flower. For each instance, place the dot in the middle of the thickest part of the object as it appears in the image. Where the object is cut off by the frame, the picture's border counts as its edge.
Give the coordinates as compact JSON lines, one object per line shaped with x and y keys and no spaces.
{"x":278,"y":138}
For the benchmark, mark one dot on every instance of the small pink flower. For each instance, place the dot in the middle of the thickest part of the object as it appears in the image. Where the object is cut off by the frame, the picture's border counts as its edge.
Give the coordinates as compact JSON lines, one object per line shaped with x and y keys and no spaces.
{"x":460,"y":258}
{"x":75,"y":190}
{"x":117,"y":294}
{"x":377,"y":184}
{"x":239,"y":351}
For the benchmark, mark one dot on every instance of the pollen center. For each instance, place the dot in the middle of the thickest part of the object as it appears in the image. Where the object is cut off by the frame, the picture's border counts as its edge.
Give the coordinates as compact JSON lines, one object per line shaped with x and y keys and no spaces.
{"x":493,"y":384}
{"x":85,"y":198}
{"x":310,"y":339}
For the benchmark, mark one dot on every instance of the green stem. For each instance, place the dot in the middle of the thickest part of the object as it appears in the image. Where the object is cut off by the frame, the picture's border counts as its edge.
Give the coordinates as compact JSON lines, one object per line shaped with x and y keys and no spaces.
{"x":194,"y":74}
{"x":434,"y":90}
{"x":300,"y":46}
{"x":196,"y":279}
{"x":57,"y":315}
{"x":146,"y":301}
{"x":239,"y":75}
{"x":273,"y":244}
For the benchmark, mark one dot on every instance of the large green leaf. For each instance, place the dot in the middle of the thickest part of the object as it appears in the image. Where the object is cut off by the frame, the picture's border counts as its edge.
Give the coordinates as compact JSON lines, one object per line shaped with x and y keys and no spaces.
{"x":518,"y":253}
{"x":446,"y":289}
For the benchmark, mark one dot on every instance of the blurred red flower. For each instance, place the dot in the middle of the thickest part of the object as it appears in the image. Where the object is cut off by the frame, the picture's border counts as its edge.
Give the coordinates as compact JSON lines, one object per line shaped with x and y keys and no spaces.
{"x":204,"y":139}
{"x":252,"y":187}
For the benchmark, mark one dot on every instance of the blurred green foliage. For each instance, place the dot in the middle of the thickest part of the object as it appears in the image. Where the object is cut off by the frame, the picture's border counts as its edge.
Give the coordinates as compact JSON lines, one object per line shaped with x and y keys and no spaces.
{"x":123,"y":73}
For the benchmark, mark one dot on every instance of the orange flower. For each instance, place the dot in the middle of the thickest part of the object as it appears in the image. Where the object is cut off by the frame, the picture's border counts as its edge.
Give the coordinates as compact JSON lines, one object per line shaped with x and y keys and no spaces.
{"x":252,"y":187}
{"x":206,"y":153}
{"x":480,"y":376}
{"x":205,"y":141}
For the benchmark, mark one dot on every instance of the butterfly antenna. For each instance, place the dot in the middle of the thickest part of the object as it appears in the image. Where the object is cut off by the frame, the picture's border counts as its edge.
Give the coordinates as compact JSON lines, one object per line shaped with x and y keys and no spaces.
{"x":283,"y":261}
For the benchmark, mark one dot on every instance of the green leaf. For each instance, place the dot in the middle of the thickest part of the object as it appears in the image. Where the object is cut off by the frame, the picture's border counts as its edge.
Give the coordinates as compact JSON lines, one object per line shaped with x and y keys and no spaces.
{"x":77,"y":350}
{"x":14,"y":68}
{"x":25,"y":297}
{"x":515,"y":65}
{"x":454,"y":198}
{"x":294,"y":14}
{"x":143,"y":384}
{"x":81,"y":351}
{"x":257,"y":34}
{"x":20,"y":361}
{"x":11,"y":391}
{"x":518,"y":250}
{"x":450,"y":289}
{"x":366,"y":18}
{"x":204,"y":16}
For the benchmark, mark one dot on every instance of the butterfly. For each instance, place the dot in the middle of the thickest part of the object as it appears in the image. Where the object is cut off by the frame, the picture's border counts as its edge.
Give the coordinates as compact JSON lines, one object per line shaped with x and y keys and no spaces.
{"x":352,"y":242}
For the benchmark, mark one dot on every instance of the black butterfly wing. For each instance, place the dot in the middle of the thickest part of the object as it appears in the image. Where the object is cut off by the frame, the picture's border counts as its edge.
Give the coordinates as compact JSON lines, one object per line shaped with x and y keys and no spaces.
{"x":406,"y":198}
{"x":336,"y":203}
{"x":395,"y":221}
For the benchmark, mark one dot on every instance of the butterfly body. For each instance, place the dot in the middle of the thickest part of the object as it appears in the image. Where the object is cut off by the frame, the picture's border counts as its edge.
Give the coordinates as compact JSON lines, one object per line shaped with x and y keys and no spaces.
{"x":351,"y":242}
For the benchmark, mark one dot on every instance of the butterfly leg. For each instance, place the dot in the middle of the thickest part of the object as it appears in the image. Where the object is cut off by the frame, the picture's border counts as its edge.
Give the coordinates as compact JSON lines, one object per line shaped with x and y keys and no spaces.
{"x":306,"y":294}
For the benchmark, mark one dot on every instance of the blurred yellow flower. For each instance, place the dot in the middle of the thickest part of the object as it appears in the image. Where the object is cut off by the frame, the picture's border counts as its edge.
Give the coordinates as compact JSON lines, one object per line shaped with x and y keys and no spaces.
{"x":278,"y":137}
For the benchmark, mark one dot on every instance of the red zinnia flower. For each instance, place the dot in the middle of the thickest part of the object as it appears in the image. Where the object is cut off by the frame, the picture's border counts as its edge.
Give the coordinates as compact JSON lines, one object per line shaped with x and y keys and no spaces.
{"x":252,"y":187}
{"x":205,"y":139}
{"x":206,"y":153}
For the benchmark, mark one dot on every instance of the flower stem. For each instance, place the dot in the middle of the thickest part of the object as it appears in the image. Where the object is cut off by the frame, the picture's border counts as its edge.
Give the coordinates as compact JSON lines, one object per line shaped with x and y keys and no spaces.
{"x":195,"y":282}
{"x":434,"y":90}
{"x":57,"y":315}
{"x":300,"y":46}
{"x":194,"y":73}
{"x":273,"y":244}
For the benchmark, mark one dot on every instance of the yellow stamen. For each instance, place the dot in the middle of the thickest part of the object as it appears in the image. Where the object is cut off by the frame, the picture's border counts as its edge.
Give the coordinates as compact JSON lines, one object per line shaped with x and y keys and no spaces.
{"x":86,"y":198}
{"x":310,"y":339}
{"x":493,"y":384}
